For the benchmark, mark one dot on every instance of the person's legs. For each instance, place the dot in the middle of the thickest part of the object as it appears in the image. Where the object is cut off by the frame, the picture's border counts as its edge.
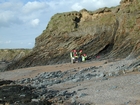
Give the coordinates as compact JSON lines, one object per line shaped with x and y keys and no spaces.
{"x":80,"y":59}
{"x":72,"y":60}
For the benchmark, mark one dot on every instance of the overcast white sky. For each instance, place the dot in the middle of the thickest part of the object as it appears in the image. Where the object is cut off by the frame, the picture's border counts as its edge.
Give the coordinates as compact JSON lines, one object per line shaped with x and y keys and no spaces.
{"x":21,"y":21}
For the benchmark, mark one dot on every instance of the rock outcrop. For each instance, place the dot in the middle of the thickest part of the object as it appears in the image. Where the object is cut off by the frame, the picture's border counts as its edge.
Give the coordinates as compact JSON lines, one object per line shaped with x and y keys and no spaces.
{"x":8,"y":56}
{"x":108,"y":32}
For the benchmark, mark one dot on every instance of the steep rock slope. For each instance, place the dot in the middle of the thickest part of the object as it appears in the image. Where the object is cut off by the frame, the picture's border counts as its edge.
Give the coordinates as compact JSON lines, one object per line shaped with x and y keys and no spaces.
{"x":108,"y":32}
{"x":10,"y":55}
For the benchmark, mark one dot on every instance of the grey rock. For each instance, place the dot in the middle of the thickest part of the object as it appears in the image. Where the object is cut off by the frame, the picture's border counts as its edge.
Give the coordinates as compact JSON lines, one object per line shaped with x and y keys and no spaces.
{"x":98,"y":91}
{"x":104,"y":78}
{"x":27,"y":80}
{"x":127,"y":102}
{"x":88,"y":104}
{"x":43,"y":91}
{"x":81,"y":89}
{"x":113,"y":87}
{"x":82,"y":95}
{"x":138,"y":69}
{"x":73,"y":101}
{"x":77,"y":79}
{"x":22,"y":95}
{"x":110,"y":74}
{"x":90,"y":75}
{"x":62,"y":93}
{"x":57,"y":81}
{"x":101,"y":75}
{"x":35,"y":100}
{"x":139,"y":83}
{"x":93,"y":68}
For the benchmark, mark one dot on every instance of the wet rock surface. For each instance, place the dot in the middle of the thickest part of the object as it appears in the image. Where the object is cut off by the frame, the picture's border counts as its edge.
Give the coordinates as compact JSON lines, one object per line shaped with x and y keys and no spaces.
{"x":14,"y":94}
{"x":72,"y":76}
{"x":76,"y":86}
{"x":36,"y":90}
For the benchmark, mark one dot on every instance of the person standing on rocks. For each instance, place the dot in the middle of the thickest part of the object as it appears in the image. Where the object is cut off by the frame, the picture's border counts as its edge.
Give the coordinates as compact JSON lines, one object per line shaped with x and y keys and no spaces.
{"x":84,"y":57}
{"x":80,"y":53}
{"x":73,"y":56}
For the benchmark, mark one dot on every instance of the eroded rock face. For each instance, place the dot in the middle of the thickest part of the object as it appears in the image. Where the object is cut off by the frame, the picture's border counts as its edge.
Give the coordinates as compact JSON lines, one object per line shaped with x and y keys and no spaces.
{"x":108,"y":32}
{"x":8,"y":56}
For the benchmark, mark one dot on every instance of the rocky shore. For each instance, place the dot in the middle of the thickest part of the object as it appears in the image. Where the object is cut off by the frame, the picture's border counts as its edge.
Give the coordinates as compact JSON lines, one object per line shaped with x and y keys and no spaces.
{"x":103,"y":84}
{"x":3,"y":65}
{"x":110,"y":76}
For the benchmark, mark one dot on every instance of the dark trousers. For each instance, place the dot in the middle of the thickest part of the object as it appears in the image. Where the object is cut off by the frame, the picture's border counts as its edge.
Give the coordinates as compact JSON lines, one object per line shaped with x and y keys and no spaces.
{"x":80,"y":59}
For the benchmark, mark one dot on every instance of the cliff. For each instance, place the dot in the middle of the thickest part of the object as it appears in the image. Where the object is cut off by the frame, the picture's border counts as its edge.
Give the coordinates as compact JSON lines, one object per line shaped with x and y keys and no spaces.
{"x":8,"y":56}
{"x":109,"y":32}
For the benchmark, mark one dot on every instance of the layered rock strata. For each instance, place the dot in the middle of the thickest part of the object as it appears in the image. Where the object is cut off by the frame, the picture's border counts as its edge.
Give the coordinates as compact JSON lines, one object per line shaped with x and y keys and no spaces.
{"x":109,"y":32}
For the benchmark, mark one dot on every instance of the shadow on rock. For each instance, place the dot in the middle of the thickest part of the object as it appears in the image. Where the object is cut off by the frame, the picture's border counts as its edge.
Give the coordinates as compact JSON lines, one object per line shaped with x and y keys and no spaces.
{"x":17,"y":94}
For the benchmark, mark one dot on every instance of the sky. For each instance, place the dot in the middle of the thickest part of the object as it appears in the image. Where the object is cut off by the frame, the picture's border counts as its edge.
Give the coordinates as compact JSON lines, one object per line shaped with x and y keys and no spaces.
{"x":21,"y":21}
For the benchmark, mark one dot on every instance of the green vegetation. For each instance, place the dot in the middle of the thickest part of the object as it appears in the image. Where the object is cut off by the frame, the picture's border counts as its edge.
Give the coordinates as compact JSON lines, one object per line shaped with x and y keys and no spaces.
{"x":131,"y":22}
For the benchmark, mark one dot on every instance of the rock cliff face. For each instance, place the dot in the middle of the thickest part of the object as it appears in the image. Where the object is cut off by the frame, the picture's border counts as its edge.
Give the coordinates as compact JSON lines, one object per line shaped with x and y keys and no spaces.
{"x":109,"y":32}
{"x":10,"y":55}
